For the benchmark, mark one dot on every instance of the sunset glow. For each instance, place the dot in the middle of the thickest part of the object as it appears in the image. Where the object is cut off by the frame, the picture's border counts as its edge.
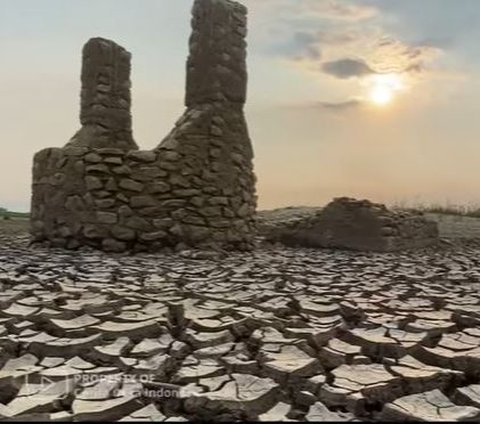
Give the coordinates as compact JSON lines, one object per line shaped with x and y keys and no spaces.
{"x":383,"y":88}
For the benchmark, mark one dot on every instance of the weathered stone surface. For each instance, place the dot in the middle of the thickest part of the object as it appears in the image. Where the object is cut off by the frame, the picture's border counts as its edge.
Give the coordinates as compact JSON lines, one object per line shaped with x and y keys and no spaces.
{"x":215,"y":71}
{"x":131,"y":185}
{"x":107,"y":218}
{"x":105,"y":105}
{"x":123,"y":233}
{"x":93,"y":158}
{"x":112,"y":245}
{"x":359,"y":225}
{"x":93,"y":183}
{"x":159,"y":187}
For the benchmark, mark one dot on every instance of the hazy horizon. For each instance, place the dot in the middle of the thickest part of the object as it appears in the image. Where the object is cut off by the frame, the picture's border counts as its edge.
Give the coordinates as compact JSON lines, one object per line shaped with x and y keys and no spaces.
{"x":365,"y":98}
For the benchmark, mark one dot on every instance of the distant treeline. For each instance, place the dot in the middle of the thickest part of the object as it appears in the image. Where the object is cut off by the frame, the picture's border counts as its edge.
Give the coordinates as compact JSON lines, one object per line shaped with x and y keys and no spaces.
{"x":472,"y":211}
{"x":6,"y":214}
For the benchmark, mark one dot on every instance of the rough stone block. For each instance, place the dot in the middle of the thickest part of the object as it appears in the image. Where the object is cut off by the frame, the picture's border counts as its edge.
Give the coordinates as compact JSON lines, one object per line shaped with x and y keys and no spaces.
{"x":107,"y":217}
{"x":131,"y":185}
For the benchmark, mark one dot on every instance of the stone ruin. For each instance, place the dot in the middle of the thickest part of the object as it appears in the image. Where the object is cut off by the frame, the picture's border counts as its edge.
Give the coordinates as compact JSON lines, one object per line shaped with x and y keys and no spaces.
{"x":359,"y":225}
{"x":196,"y":188}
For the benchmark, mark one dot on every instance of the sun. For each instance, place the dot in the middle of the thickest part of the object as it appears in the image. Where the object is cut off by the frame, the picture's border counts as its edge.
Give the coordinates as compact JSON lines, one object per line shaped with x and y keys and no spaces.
{"x":383,"y":88}
{"x":381,"y":96}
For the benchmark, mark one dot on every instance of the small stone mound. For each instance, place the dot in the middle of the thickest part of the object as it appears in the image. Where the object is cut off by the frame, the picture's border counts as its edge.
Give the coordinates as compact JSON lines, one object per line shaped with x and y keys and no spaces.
{"x":359,"y":225}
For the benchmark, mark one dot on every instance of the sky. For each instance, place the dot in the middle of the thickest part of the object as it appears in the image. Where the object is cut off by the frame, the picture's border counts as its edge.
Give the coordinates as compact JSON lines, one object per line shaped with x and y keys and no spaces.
{"x":375,"y":99}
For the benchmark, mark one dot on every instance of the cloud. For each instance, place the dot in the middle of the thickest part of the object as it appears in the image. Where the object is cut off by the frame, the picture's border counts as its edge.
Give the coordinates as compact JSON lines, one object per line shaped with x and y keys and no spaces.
{"x":389,"y":54}
{"x":338,"y":106}
{"x":361,"y":52}
{"x":339,"y":10}
{"x":307,"y":44}
{"x":336,"y":10}
{"x":342,"y":45}
{"x":342,"y":38}
{"x":347,"y":68}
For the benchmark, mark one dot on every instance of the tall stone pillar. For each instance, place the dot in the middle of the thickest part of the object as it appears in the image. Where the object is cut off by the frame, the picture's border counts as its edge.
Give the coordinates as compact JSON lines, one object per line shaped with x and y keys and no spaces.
{"x":216,"y":67}
{"x":105,"y":97}
{"x":211,"y":139}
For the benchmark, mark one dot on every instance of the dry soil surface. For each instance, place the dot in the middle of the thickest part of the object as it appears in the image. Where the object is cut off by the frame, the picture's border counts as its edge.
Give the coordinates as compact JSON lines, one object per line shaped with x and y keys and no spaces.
{"x":275,"y":334}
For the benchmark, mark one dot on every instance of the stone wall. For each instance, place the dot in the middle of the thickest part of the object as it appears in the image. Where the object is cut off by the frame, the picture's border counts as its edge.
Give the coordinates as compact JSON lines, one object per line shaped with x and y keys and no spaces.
{"x":196,"y":188}
{"x":359,"y":225}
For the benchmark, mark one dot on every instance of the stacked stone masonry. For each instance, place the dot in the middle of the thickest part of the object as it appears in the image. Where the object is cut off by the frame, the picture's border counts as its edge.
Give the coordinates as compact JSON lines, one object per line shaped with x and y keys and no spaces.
{"x":196,"y":187}
{"x":105,"y":98}
{"x":359,"y":225}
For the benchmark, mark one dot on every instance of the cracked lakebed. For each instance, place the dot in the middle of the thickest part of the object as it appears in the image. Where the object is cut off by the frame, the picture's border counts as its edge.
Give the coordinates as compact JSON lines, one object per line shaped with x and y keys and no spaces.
{"x":274,"y":334}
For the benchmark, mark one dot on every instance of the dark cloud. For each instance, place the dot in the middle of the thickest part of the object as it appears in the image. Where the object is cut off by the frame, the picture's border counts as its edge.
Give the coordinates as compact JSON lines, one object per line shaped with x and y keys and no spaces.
{"x":345,"y":106}
{"x":338,"y":106}
{"x":347,"y":68}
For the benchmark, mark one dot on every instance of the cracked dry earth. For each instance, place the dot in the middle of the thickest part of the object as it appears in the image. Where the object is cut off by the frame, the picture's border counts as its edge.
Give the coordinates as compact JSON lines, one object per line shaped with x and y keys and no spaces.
{"x":276,"y":334}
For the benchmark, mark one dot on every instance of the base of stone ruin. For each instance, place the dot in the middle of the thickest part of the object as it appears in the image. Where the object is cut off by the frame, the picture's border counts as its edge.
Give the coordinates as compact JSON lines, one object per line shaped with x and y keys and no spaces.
{"x":134,"y":201}
{"x":359,"y":225}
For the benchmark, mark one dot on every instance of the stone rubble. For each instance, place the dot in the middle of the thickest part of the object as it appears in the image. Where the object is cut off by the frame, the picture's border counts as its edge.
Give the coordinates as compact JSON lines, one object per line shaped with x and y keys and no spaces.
{"x":357,"y":225}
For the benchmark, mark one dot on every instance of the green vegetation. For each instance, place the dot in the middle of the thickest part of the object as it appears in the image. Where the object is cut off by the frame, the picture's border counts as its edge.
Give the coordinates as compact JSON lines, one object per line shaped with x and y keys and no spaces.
{"x":449,"y":209}
{"x":5,"y":214}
